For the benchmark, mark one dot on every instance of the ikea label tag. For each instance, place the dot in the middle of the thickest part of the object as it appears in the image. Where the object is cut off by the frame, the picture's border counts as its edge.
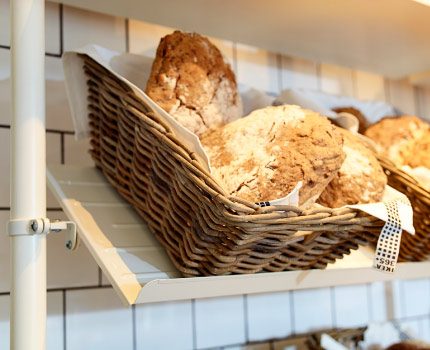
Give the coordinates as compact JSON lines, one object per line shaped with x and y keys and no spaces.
{"x":388,"y":247}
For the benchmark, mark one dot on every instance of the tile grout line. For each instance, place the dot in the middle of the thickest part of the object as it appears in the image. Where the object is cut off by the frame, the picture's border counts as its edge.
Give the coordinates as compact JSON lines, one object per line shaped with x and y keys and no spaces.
{"x":402,"y":299}
{"x":47,"y":209}
{"x":49,"y":131}
{"x":61,"y":14}
{"x":194,"y":323}
{"x":235,"y":65}
{"x":279,"y":71}
{"x":333,"y":308}
{"x":62,"y":149}
{"x":63,"y":289}
{"x":417,"y":100}
{"x":318,"y":71}
{"x":100,"y":276}
{"x":245,"y":317}
{"x":369,"y":302}
{"x":134,"y":330}
{"x":389,"y":300}
{"x":354,"y":83}
{"x":64,"y":321}
{"x":49,"y":54}
{"x":127,"y":35}
{"x":293,"y":324}
{"x":387,"y":90}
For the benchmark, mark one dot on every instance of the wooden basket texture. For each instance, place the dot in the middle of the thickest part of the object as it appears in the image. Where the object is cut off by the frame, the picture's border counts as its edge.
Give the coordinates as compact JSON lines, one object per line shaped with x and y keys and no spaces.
{"x":413,"y":247}
{"x":204,"y":230}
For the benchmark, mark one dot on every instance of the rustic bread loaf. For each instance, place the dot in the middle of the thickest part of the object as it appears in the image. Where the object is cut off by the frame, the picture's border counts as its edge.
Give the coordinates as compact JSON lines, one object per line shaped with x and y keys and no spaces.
{"x":419,"y":154}
{"x":360,"y":179}
{"x":190,"y":80}
{"x":396,"y":136}
{"x":261,"y":157}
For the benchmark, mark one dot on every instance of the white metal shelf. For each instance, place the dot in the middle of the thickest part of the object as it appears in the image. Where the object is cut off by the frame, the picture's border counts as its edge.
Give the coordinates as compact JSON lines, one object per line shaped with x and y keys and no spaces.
{"x":141,"y":272}
{"x":388,"y":37}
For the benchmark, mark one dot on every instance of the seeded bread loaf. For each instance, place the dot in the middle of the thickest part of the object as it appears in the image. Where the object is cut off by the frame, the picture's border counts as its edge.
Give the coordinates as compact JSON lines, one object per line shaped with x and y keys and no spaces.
{"x":261,"y":157}
{"x":190,"y":80}
{"x":360,"y":179}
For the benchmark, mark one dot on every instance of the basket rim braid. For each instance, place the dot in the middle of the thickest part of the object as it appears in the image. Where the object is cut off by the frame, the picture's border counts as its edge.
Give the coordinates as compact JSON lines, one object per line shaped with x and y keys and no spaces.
{"x":413,"y":247}
{"x":204,"y":230}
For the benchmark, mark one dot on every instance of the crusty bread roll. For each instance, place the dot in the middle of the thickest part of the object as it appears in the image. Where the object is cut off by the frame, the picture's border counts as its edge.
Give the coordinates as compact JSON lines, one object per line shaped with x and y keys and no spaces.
{"x":396,"y":137}
{"x":190,"y":80}
{"x":362,"y":121}
{"x":360,"y":179}
{"x":261,"y":157}
{"x":420,"y":151}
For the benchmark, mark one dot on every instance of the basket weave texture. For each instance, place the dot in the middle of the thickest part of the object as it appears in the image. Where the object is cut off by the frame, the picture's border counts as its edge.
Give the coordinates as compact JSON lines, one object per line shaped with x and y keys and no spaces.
{"x":413,"y":247}
{"x":204,"y":230}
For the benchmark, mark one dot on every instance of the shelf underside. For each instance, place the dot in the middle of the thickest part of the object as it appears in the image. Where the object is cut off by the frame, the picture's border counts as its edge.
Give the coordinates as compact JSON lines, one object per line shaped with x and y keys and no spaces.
{"x":388,"y":37}
{"x":140,"y":271}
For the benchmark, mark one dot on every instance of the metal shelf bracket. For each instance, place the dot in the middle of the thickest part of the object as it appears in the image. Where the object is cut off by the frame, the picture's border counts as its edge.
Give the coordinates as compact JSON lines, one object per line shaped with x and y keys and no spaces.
{"x":43,"y":226}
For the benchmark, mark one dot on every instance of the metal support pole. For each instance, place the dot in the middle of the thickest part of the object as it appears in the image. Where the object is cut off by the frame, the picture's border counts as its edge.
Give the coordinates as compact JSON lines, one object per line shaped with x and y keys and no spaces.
{"x":28,"y":182}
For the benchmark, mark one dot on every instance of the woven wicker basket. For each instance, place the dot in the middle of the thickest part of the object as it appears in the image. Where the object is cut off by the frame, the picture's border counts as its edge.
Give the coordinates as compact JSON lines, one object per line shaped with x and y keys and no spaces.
{"x":417,"y":247}
{"x":205,"y":231}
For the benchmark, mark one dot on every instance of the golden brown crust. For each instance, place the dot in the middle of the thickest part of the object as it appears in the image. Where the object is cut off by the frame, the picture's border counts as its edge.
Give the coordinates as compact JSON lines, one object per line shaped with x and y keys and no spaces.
{"x":190,"y":80}
{"x":396,"y":136}
{"x":363,"y":124}
{"x":262,"y":157}
{"x":361,"y":179}
{"x":420,"y":152}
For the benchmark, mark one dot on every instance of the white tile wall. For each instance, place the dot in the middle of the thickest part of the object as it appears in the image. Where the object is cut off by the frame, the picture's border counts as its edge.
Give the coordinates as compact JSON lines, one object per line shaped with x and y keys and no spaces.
{"x":346,"y":300}
{"x":369,"y":86}
{"x":377,"y":302}
{"x":401,"y":95}
{"x":423,"y":100}
{"x":83,"y":27}
{"x":54,"y":325}
{"x":65,"y":268}
{"x":336,"y":80}
{"x":398,"y":301}
{"x":94,"y":317}
{"x":53,"y":154}
{"x":416,"y":297}
{"x":425,"y":328}
{"x":52,"y":27}
{"x":4,"y":322}
{"x":58,"y":115}
{"x":265,"y":346}
{"x":97,"y":320}
{"x":312,"y":310}
{"x":269,"y":315}
{"x":4,"y":65}
{"x":219,"y":322}
{"x":298,"y":73}
{"x":257,"y":68}
{"x":144,"y":37}
{"x":4,"y":253}
{"x":176,"y":331}
{"x":76,"y":152}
